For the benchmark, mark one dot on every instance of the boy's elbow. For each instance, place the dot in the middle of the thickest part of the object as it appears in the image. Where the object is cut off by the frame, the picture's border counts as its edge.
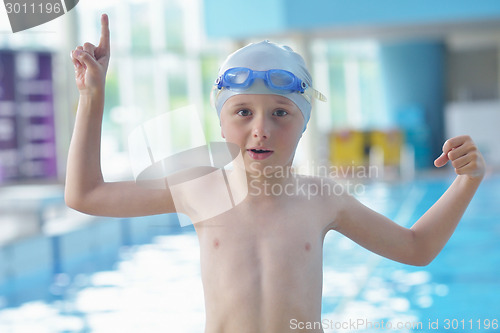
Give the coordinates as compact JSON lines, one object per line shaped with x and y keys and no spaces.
{"x":71,"y":201}
{"x":421,"y":262}
{"x":421,"y":257}
{"x":75,"y":201}
{"x":419,"y":253}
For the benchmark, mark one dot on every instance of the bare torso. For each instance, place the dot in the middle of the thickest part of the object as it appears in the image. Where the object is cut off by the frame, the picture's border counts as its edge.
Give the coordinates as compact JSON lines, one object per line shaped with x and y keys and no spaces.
{"x":261,"y":264}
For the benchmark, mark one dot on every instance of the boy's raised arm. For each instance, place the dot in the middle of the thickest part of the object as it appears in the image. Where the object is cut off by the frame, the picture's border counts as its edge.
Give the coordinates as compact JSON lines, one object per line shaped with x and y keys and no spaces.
{"x":420,"y":244}
{"x":436,"y":226}
{"x":85,"y":188}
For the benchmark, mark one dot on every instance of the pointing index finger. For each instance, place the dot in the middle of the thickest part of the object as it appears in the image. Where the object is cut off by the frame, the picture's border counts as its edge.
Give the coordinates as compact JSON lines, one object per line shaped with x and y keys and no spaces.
{"x":104,"y":41}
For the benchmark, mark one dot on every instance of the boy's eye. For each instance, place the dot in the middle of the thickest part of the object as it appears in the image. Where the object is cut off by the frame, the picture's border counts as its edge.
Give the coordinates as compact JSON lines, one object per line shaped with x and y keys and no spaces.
{"x":243,"y":113}
{"x":280,"y":113}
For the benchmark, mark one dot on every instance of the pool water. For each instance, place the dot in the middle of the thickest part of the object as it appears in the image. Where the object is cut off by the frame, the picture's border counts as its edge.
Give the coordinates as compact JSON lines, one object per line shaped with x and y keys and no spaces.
{"x":459,"y":291}
{"x":156,"y":287}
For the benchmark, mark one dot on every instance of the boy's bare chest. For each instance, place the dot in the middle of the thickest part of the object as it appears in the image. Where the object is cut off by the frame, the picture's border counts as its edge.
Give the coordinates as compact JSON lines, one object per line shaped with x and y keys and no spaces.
{"x":276,"y":231}
{"x":277,"y":251}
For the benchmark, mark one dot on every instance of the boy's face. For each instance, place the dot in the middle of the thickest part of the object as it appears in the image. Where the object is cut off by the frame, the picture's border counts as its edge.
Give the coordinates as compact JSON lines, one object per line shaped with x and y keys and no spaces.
{"x":267,"y":128}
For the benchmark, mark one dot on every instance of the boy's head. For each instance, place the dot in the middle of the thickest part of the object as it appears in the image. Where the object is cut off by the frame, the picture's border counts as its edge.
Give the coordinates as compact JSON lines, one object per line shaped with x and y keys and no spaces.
{"x":266,"y":68}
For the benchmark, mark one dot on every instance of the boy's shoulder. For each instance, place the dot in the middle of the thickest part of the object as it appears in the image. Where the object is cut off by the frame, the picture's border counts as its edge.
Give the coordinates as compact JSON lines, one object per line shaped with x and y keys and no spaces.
{"x":322,"y":196}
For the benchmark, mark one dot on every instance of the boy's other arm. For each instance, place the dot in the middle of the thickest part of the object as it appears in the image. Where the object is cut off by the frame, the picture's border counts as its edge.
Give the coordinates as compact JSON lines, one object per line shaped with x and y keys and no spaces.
{"x":420,"y":244}
{"x":85,"y":188}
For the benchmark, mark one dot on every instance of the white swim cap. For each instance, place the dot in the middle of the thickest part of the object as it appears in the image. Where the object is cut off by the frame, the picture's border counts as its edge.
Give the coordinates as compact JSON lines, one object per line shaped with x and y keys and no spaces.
{"x":264,"y":56}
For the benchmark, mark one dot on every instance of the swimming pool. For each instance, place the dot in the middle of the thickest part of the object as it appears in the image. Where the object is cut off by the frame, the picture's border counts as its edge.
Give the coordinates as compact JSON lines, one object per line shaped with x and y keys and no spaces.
{"x":142,"y":275}
{"x":458,"y":291}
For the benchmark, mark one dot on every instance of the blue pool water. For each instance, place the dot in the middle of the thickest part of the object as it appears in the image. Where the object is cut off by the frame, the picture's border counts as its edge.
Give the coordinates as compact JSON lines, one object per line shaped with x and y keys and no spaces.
{"x":142,"y":275}
{"x":458,"y":292}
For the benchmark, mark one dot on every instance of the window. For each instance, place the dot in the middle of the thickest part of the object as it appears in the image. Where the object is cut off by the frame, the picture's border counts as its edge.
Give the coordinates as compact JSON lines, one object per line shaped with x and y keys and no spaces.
{"x":160,"y":62}
{"x":355,"y":96}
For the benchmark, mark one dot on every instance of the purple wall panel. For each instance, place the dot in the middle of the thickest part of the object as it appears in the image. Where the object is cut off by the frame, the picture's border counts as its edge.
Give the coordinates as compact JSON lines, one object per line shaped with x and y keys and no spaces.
{"x":8,"y":121}
{"x":28,"y":98}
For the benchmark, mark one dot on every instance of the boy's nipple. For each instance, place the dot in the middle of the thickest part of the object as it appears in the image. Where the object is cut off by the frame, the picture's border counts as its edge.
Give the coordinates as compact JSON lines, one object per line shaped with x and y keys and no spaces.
{"x":216,"y":243}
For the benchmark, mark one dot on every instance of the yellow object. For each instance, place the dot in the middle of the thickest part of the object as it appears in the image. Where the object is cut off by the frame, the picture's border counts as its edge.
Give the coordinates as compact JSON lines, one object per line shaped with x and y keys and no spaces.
{"x":390,"y":143}
{"x":347,"y":148}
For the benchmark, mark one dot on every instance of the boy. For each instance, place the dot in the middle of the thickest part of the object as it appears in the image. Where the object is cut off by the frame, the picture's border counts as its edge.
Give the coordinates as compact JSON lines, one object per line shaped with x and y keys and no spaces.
{"x":261,"y":261}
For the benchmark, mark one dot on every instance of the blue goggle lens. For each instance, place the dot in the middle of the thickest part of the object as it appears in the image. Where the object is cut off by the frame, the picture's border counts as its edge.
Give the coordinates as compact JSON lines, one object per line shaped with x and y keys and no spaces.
{"x":278,"y":79}
{"x":238,"y":76}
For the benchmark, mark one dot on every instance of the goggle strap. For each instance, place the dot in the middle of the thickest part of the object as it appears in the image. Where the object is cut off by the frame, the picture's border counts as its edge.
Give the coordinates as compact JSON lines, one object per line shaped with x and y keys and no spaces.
{"x":214,"y":94}
{"x":314,"y":94}
{"x":319,"y":95}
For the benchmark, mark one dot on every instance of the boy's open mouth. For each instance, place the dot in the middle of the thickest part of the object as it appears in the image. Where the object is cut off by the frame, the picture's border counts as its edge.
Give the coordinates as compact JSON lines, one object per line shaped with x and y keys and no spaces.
{"x":259,"y":154}
{"x":260,"y":151}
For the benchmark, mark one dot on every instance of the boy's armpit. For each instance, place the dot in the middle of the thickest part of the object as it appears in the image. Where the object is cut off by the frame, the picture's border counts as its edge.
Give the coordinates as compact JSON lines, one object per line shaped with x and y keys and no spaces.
{"x":333,"y":198}
{"x":207,"y":195}
{"x":201,"y":193}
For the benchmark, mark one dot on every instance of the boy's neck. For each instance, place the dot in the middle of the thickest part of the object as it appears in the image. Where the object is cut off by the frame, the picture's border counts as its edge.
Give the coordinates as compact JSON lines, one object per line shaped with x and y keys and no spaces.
{"x":265,"y":185}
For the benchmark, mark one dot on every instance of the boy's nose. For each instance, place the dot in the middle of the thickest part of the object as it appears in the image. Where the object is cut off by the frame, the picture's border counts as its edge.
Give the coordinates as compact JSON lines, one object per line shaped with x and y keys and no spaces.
{"x":261,"y":129}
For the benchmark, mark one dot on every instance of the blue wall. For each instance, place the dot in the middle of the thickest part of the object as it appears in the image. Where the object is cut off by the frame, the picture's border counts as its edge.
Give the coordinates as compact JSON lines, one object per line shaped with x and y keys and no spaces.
{"x":243,"y":18}
{"x":228,"y":18}
{"x":413,"y":75}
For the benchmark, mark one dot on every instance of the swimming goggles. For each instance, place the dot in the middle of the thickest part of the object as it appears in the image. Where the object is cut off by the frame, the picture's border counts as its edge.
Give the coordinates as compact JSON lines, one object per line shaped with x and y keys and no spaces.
{"x":279,"y":80}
